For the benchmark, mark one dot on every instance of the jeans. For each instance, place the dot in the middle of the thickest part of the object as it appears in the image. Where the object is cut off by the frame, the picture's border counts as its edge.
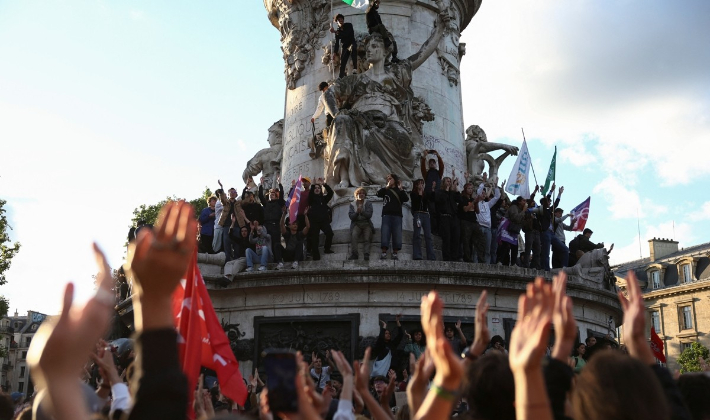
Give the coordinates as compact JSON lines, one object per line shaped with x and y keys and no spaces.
{"x":560,"y":253}
{"x":263,"y":258}
{"x":532,"y":243}
{"x":217,"y":238}
{"x":364,"y":231}
{"x":391,"y":227}
{"x":487,"y":235}
{"x":227,"y":245}
{"x":425,"y":221}
{"x":545,"y":242}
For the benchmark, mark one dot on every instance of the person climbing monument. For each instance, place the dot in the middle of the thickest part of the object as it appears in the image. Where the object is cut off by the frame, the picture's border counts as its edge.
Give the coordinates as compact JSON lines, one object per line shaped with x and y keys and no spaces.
{"x":374,"y":24}
{"x":345,"y":35}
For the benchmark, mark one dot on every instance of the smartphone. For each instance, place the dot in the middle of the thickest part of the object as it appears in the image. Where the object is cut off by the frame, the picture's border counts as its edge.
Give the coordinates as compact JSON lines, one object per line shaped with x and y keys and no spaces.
{"x":281,"y":380}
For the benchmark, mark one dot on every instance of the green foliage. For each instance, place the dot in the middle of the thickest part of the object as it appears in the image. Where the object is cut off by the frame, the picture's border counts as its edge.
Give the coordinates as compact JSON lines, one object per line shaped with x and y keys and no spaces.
{"x":688,"y":360}
{"x":7,"y":249}
{"x":4,"y":306}
{"x":150,"y":212}
{"x":3,"y":351}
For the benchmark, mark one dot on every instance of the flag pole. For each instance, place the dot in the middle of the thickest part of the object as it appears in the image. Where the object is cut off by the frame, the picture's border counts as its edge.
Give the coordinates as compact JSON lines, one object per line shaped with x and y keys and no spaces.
{"x":531,"y":165}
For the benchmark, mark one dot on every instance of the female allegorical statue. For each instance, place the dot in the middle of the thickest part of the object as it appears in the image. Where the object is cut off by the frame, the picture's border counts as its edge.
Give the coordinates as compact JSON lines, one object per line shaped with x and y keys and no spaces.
{"x":378,"y":128}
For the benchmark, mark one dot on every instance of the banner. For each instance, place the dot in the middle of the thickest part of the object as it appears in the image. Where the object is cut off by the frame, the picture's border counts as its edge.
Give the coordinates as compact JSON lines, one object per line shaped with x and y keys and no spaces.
{"x":657,"y":346}
{"x":518,"y":181}
{"x":201,"y":340}
{"x":504,"y":235}
{"x":580,"y":215}
{"x":550,"y":174}
{"x":294,"y":199}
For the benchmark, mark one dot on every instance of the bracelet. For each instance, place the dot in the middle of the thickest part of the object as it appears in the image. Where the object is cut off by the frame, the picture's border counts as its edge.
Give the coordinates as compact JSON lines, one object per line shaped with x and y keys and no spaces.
{"x":444,"y":393}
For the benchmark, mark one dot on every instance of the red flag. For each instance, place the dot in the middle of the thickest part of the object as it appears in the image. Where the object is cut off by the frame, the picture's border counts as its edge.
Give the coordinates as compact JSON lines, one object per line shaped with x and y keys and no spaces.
{"x":657,"y":346}
{"x":201,"y":339}
{"x":294,"y":201}
{"x":580,"y":215}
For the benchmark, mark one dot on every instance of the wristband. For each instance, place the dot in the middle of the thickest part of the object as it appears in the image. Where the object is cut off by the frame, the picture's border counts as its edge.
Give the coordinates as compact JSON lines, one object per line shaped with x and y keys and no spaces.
{"x":444,"y":393}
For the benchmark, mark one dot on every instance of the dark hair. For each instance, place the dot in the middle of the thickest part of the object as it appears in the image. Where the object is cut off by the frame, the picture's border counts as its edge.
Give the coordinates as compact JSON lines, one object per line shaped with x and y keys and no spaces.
{"x":575,"y":351}
{"x":695,"y":388}
{"x":419,"y":330}
{"x":322,"y":85}
{"x":7,"y":408}
{"x":586,"y":231}
{"x":613,"y":386}
{"x":490,"y":389}
{"x":339,"y":16}
{"x":559,"y":209}
{"x":395,"y":177}
{"x":496,"y":339}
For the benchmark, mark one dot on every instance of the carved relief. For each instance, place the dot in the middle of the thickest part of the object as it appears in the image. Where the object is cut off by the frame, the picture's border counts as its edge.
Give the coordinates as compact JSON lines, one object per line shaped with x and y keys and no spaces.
{"x":302,"y":24}
{"x":243,"y":349}
{"x":450,"y":50}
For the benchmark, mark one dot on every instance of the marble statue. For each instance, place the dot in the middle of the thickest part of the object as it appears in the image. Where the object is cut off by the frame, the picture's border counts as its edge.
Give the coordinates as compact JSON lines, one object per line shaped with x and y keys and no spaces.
{"x":268,"y":161}
{"x":477,"y":149}
{"x":450,"y":50}
{"x":378,"y":130}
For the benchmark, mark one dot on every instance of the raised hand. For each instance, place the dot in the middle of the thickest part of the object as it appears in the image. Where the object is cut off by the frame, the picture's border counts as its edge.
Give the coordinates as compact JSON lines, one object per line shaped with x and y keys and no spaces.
{"x":482,"y":334}
{"x":417,"y":387}
{"x":528,"y":341}
{"x":362,"y":373}
{"x":449,"y":370}
{"x":635,"y":321}
{"x":384,"y":324}
{"x":563,"y":319}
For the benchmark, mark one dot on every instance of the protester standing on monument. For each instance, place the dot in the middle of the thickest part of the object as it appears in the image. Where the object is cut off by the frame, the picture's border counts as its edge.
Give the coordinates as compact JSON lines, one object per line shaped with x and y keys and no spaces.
{"x":253,"y":210}
{"x":485,"y":206}
{"x":446,"y":207}
{"x":326,"y":103}
{"x":345,"y":35}
{"x":471,"y":234}
{"x":231,"y":211}
{"x":272,"y":208}
{"x":393,"y":199}
{"x":207,"y":219}
{"x":295,"y":239}
{"x":422,"y":200}
{"x":374,"y":24}
{"x":544,"y":216}
{"x":432,"y":176}
{"x":559,"y":228}
{"x":530,"y":256}
{"x":319,"y":216}
{"x":507,"y":251}
{"x":360,"y":213}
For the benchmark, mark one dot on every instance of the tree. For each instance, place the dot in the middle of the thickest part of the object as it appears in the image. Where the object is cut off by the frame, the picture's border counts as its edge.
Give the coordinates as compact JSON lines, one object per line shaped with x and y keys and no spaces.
{"x":688,"y":360}
{"x":149,"y":213}
{"x":7,"y":249}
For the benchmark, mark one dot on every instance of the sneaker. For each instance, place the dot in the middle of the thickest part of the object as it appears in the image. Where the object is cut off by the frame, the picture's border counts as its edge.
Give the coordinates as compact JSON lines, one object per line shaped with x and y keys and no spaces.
{"x":249,"y":269}
{"x":294,"y":265}
{"x":279,"y":266}
{"x":262,"y":268}
{"x":224,"y":281}
{"x":394,"y":256}
{"x":383,"y":256}
{"x":329,"y":251}
{"x":353,"y":257}
{"x":367,"y":257}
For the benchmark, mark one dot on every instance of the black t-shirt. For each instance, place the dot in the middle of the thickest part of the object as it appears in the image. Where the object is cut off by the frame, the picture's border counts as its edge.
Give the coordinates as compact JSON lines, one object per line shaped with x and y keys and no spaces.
{"x":293,"y":240}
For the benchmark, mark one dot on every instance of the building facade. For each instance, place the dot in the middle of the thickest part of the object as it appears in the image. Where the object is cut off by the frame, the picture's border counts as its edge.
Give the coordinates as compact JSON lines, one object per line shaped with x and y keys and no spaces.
{"x":16,"y":334}
{"x":676,"y":290}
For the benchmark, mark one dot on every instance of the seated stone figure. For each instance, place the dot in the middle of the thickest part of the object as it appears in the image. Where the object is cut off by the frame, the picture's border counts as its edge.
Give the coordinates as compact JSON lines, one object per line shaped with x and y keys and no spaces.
{"x":268,"y":161}
{"x":378,"y":129}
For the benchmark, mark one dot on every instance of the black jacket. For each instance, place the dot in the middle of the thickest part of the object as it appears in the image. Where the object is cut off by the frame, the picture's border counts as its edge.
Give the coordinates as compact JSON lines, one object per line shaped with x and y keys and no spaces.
{"x":272,"y":209}
{"x":421,"y":202}
{"x":446,"y":202}
{"x":393,"y":200}
{"x":344,"y":35}
{"x":319,"y":212}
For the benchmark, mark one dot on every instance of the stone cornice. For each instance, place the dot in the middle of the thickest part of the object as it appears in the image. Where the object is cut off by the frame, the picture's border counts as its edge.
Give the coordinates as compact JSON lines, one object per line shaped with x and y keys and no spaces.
{"x":677,"y":290}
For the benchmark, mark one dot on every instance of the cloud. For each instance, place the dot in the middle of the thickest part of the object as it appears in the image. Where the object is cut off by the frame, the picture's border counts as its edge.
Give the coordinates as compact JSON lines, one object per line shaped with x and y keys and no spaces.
{"x":702,"y":214}
{"x":630,"y":250}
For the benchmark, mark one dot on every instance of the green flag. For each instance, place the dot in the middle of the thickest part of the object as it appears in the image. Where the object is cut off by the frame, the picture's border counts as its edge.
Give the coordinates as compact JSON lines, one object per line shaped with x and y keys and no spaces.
{"x":550,"y":174}
{"x":358,"y":4}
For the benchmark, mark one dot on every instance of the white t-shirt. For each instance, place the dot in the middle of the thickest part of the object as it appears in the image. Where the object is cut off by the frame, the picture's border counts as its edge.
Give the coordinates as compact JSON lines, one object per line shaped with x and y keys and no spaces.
{"x":324,"y":377}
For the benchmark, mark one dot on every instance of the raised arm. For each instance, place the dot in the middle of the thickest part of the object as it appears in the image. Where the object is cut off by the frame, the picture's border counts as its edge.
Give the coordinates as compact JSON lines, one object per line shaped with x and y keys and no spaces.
{"x":429,"y":46}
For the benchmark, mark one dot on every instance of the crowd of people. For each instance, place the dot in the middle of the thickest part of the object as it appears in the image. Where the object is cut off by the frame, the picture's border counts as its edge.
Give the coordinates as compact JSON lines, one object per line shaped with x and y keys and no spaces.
{"x":255,"y":229}
{"x":444,"y":377}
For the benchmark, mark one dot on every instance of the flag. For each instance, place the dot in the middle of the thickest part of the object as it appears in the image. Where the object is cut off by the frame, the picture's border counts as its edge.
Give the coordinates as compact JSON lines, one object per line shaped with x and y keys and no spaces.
{"x":202,"y":341}
{"x":580,"y":215}
{"x":504,"y":235}
{"x":518,"y":181}
{"x":294,"y":199}
{"x":550,"y":174}
{"x":657,"y":346}
{"x":358,"y":4}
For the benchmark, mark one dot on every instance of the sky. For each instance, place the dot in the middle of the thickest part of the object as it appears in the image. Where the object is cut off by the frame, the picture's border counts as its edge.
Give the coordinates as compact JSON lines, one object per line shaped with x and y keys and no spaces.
{"x":108,"y":105}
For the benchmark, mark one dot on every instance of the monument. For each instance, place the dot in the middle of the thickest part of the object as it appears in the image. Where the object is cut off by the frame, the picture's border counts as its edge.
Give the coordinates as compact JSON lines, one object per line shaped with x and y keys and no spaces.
{"x":391,"y":113}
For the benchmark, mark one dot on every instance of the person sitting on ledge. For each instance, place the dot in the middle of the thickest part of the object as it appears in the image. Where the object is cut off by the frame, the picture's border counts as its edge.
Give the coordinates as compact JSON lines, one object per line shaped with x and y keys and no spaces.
{"x":581,"y":244}
{"x":294,"y":239}
{"x":262,"y":241}
{"x":360,"y":213}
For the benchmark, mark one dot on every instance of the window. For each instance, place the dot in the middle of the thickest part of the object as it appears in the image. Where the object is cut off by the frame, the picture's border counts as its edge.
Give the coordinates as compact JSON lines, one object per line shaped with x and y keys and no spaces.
{"x":656,"y":279}
{"x":687,"y":274}
{"x":684,"y":346}
{"x":686,"y":317}
{"x":28,"y":340}
{"x":22,"y":371}
{"x":20,"y":386}
{"x":656,"y":321}
{"x":24,"y":355}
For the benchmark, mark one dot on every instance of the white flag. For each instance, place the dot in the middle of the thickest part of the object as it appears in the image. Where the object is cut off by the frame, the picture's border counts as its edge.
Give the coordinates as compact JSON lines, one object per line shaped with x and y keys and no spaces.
{"x":518,"y":181}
